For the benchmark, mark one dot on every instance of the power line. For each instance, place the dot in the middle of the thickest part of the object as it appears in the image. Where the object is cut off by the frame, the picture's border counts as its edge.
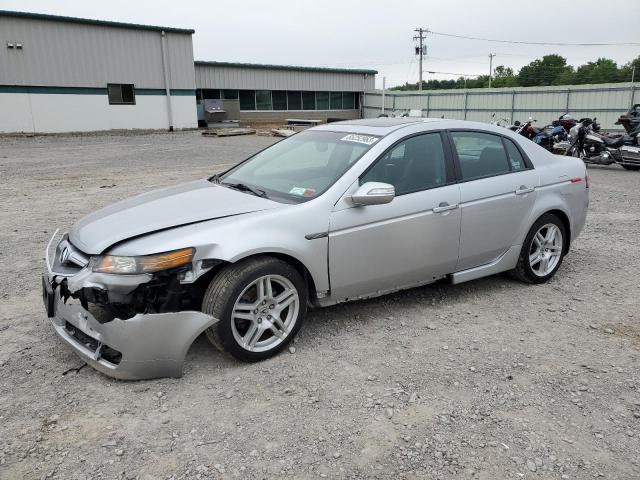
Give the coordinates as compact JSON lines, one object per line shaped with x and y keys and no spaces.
{"x":535,"y":43}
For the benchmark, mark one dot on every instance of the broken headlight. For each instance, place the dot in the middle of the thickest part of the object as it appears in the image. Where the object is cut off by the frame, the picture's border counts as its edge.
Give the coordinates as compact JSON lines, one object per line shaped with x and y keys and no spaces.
{"x":146,"y":264}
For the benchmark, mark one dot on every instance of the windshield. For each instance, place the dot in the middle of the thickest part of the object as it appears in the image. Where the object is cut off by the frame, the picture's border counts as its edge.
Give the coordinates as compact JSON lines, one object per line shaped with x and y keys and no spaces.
{"x":300,"y":167}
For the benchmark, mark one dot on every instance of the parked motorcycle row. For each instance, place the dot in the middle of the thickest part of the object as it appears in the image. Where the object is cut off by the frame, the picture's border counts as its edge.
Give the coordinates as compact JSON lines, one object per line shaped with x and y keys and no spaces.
{"x":583,"y":138}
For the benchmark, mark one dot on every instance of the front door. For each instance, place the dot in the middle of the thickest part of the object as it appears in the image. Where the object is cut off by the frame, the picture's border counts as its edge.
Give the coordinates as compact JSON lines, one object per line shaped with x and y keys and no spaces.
{"x":497,"y":193}
{"x":412,"y":240}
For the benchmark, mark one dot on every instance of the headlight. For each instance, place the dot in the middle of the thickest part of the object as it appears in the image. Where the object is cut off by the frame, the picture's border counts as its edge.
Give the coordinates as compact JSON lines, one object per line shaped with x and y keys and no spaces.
{"x":146,"y":264}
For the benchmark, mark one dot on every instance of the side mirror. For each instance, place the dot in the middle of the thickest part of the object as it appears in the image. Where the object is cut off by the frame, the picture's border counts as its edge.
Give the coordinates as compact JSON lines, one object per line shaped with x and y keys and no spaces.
{"x":373,"y":193}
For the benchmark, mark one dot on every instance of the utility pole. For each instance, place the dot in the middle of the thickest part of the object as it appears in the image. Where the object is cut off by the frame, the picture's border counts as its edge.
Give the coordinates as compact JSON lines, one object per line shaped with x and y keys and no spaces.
{"x":491,"y":55}
{"x":420,"y":50}
{"x":384,"y":86}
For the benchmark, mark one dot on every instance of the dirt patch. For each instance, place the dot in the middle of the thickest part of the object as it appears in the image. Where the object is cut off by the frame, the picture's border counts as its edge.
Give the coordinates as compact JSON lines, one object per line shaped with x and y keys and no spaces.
{"x":491,"y":379}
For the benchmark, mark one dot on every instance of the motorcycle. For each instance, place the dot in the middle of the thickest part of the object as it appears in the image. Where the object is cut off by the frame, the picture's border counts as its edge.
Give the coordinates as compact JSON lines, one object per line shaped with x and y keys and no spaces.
{"x":631,"y":119}
{"x":525,"y":129}
{"x":549,"y":136}
{"x":554,"y":137}
{"x":592,"y":147}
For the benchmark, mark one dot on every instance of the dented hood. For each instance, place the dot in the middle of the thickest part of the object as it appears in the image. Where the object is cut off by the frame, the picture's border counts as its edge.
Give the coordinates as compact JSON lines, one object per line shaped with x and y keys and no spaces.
{"x":161,"y":209}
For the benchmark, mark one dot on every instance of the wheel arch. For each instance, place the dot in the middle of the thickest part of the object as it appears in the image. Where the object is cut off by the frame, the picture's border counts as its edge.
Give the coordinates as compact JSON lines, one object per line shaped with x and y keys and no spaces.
{"x":564,"y":218}
{"x":300,"y":267}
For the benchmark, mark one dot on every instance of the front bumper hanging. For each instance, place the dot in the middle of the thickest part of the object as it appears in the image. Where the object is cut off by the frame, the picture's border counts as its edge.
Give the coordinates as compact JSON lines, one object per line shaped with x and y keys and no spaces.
{"x":141,"y":347}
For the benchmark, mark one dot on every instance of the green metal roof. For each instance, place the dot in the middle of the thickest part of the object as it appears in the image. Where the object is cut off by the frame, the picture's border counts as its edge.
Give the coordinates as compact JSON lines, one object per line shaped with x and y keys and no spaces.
{"x":261,"y":66}
{"x":88,"y":21}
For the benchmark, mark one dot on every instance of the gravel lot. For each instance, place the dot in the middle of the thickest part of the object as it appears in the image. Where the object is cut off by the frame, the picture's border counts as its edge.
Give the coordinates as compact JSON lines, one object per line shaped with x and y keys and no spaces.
{"x":490,"y":379}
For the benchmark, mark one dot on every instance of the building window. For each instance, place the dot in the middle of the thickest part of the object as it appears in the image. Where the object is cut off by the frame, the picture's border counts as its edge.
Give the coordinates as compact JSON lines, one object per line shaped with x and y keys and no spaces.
{"x":247,"y":100}
{"x":348,"y":102}
{"x":356,"y":97}
{"x":121,"y":94}
{"x":279,"y":99}
{"x":322,"y":100}
{"x":230,"y":94}
{"x":208,"y":94}
{"x":336,"y":100}
{"x":294,"y":100}
{"x":263,"y":100}
{"x":308,"y":100}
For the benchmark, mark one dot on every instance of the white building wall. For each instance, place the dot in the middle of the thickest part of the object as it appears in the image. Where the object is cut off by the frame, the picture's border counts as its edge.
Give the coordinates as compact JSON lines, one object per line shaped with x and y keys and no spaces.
{"x":55,"y":113}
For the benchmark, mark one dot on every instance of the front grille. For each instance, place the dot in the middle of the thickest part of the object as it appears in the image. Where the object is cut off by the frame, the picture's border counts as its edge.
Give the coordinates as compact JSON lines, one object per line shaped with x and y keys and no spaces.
{"x":107,"y":353}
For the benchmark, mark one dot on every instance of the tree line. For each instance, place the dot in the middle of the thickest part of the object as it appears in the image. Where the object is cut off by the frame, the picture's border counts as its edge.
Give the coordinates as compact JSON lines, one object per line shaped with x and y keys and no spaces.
{"x":548,"y":70}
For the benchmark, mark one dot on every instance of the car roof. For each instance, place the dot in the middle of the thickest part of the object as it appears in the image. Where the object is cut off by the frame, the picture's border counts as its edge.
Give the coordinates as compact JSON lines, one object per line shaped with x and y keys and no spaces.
{"x":374,"y":126}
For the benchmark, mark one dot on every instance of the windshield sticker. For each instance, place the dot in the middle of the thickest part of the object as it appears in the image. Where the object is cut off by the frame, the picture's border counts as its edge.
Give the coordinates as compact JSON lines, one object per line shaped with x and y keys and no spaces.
{"x":302,"y":192}
{"x":365,"y":139}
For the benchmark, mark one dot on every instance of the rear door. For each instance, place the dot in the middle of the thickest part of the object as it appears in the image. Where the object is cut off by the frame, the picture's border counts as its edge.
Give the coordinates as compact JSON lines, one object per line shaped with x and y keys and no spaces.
{"x":414,"y":239}
{"x":497,"y":193}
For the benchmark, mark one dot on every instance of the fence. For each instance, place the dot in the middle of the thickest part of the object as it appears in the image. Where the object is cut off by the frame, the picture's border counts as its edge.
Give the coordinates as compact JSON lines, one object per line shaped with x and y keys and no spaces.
{"x":544,"y":104}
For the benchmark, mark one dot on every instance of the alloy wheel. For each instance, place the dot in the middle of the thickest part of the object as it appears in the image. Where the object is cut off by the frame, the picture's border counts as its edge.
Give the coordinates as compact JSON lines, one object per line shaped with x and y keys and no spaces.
{"x":265,"y":313}
{"x":546,"y":250}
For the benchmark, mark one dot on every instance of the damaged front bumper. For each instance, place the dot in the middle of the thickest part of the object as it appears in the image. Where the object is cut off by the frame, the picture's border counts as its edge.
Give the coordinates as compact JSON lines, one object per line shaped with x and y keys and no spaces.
{"x":149,"y":345}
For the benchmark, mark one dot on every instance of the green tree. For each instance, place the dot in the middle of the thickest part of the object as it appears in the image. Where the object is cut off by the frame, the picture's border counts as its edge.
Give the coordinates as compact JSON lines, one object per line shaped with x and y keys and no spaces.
{"x":626,"y":70}
{"x":603,"y":70}
{"x":504,"y":77}
{"x":543,"y":71}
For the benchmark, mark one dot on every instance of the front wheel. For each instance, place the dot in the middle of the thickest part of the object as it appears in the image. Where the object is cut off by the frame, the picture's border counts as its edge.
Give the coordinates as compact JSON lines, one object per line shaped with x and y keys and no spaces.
{"x":260,"y":303}
{"x":543,"y":250}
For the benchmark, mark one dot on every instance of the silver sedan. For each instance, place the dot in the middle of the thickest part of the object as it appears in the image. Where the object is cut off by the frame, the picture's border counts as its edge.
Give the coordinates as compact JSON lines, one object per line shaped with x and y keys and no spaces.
{"x":336,"y":213}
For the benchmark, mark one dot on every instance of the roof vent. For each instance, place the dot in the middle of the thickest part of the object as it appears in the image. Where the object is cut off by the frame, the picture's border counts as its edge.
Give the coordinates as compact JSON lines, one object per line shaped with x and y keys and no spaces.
{"x":10,"y":45}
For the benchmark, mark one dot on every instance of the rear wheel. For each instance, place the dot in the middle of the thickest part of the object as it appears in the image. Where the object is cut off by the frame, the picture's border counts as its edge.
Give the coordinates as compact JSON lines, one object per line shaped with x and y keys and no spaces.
{"x":543,"y":250}
{"x":261,"y":303}
{"x":633,"y":168}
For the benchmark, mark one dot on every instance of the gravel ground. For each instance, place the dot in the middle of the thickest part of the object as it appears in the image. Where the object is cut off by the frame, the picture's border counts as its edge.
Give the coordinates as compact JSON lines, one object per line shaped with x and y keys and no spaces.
{"x":490,"y":379}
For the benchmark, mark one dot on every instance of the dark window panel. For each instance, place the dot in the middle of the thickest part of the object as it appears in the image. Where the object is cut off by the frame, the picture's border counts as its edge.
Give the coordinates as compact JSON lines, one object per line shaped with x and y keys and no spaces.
{"x":263,"y":100}
{"x":308,"y":100}
{"x":322,"y":100}
{"x":230,"y":94}
{"x":279,"y":99}
{"x":356,"y":97}
{"x":247,"y":100}
{"x":210,"y":94}
{"x":347,"y":101}
{"x":121,"y":94}
{"x":294,"y":99}
{"x":336,"y":100}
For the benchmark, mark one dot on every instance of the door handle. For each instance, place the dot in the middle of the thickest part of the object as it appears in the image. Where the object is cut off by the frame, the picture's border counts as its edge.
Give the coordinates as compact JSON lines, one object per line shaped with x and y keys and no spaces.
{"x":444,"y":206}
{"x":522,"y":189}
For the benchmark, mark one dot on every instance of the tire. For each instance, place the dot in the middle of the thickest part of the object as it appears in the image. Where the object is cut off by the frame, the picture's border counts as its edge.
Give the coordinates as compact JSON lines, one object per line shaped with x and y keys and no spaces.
{"x":531,"y":268}
{"x":251,"y":329}
{"x":633,"y":168}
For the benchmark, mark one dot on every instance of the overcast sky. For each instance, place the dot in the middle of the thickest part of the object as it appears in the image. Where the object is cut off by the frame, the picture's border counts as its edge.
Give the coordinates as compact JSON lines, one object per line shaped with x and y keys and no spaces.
{"x":377,"y":34}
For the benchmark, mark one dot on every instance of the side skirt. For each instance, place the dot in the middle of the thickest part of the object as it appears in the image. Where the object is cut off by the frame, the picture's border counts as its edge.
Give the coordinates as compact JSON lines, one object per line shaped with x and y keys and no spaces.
{"x":506,"y":261}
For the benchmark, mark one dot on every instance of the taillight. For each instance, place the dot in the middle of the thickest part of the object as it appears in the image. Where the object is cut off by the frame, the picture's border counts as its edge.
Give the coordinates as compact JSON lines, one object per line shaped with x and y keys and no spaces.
{"x":576,"y":180}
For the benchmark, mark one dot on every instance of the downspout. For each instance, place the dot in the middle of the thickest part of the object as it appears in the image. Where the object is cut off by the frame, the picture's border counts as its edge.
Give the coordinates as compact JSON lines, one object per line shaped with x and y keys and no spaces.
{"x":165,"y":71}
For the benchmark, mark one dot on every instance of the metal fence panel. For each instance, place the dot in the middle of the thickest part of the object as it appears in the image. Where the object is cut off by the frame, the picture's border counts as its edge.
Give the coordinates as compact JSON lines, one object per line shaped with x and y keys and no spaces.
{"x":606,"y":102}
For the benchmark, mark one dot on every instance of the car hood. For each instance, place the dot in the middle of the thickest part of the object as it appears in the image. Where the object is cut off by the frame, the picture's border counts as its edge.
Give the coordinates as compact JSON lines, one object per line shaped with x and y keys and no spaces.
{"x":157,"y":210}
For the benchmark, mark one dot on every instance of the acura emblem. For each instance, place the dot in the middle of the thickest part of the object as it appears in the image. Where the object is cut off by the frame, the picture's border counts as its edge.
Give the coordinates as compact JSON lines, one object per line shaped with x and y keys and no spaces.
{"x":65,"y":253}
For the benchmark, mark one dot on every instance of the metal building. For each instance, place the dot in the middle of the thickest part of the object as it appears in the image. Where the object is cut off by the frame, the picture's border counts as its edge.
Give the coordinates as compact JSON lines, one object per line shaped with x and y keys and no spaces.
{"x":61,"y":74}
{"x":272,"y":93}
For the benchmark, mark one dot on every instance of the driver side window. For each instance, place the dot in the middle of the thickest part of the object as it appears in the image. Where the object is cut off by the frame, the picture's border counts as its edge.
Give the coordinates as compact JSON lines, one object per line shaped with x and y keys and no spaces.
{"x":415,"y":164}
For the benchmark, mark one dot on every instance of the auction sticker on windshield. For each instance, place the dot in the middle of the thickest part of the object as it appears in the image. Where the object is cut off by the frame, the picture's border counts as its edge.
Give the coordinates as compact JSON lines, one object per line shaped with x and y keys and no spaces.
{"x":365,"y":139}
{"x":301,"y":191}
